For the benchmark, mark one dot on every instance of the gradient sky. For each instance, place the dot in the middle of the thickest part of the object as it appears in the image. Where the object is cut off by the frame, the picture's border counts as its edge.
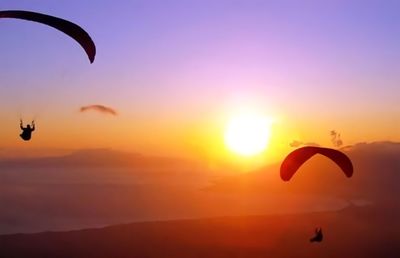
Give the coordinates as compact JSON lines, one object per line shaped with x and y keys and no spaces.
{"x":176,"y":71}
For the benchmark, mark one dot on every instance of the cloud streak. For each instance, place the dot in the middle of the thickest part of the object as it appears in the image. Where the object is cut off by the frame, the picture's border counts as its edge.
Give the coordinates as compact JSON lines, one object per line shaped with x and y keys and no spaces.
{"x":296,"y":143}
{"x":99,"y":108}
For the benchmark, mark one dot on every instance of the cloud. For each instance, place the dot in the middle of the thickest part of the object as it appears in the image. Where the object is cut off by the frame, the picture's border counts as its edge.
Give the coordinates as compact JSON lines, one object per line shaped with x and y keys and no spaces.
{"x":99,"y":108}
{"x":296,"y":144}
{"x":312,"y":144}
{"x":335,"y":139}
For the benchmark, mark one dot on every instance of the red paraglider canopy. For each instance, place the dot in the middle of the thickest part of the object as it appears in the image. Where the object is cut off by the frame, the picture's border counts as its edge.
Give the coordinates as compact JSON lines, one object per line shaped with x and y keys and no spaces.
{"x":299,"y":156}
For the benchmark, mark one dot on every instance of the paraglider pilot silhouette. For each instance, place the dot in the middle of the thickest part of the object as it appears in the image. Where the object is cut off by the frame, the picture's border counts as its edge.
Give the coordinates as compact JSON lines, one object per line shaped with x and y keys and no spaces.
{"x":318,"y":236}
{"x":26,"y":131}
{"x":298,"y":157}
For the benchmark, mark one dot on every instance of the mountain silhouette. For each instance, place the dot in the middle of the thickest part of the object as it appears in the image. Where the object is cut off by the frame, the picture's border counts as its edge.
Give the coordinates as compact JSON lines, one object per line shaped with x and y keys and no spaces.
{"x":357,"y":232}
{"x":376,"y":176}
{"x":95,"y":158}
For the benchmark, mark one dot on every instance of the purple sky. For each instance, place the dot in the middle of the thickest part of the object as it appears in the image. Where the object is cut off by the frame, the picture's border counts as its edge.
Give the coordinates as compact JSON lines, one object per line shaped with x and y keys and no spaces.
{"x":318,"y":65}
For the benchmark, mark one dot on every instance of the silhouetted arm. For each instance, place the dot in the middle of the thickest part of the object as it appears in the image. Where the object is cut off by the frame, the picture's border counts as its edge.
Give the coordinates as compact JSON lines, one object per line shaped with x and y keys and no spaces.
{"x":20,"y":124}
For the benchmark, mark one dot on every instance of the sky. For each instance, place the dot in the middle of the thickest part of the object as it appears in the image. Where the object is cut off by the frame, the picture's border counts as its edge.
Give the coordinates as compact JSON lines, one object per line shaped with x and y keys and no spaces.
{"x":177,"y":70}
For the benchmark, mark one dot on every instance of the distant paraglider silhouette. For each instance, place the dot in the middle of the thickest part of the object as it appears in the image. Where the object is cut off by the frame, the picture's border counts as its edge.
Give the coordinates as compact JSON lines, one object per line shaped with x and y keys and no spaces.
{"x":69,"y":28}
{"x":26,"y":131}
{"x":99,"y":108}
{"x":299,"y":156}
{"x":318,"y":236}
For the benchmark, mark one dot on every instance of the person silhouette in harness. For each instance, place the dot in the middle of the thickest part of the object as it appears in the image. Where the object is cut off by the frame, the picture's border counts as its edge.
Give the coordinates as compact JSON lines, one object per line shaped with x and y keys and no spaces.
{"x":26,"y":131}
{"x":318,"y":236}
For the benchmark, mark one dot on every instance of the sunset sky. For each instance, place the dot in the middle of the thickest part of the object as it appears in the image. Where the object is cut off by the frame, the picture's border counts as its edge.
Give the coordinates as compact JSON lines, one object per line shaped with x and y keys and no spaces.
{"x":176,"y":71}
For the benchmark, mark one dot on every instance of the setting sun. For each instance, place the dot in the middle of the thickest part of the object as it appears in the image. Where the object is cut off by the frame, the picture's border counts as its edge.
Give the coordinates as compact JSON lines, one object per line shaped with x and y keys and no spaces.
{"x":248,"y":133}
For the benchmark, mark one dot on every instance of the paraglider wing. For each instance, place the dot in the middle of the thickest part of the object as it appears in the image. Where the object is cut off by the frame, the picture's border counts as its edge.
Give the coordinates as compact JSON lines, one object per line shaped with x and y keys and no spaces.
{"x":69,"y":28}
{"x":299,"y":156}
{"x":100,"y":108}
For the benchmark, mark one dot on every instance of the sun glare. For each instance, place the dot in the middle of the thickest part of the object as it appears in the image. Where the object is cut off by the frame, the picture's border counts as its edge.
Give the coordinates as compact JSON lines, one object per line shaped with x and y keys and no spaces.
{"x":248,"y":133}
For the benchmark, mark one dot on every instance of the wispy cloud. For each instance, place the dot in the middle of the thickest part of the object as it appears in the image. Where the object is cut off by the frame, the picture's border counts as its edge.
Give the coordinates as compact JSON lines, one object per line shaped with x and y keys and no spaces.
{"x":297,"y":143}
{"x":336,"y":139}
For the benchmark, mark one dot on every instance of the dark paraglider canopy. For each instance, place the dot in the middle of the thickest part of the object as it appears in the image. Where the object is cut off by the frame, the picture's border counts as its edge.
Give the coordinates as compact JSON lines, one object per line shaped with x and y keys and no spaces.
{"x":99,"y":108}
{"x":299,"y":156}
{"x":69,"y":28}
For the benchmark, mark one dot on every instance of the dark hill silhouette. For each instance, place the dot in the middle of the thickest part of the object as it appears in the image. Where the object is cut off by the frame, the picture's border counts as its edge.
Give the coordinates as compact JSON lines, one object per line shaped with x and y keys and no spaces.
{"x":95,"y":158}
{"x":376,"y":176}
{"x":366,"y":232}
{"x":91,"y":188}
